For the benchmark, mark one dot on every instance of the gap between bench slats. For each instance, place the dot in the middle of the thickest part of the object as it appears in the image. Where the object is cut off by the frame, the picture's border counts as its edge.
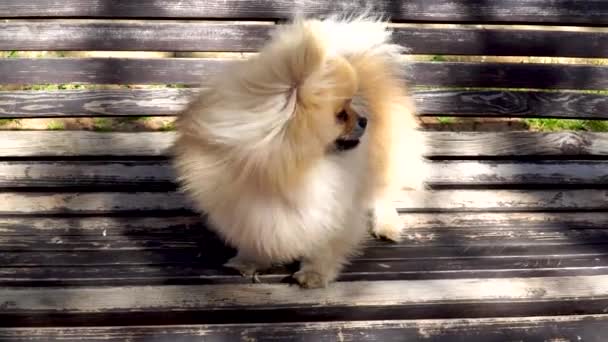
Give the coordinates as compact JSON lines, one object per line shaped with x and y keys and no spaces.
{"x":589,"y":328}
{"x":160,"y":102}
{"x":41,"y":144}
{"x":510,"y":11}
{"x":449,"y":298}
{"x":194,"y":71}
{"x":150,"y":175}
{"x":196,"y":36}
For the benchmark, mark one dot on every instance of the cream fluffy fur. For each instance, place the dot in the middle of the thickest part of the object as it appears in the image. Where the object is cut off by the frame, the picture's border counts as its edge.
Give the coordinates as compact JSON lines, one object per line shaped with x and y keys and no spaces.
{"x":254,"y":152}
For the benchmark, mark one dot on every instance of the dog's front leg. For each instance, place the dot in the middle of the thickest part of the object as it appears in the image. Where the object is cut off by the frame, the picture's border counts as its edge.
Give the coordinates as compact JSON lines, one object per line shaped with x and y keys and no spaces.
{"x":247,"y":265}
{"x":323,"y":266}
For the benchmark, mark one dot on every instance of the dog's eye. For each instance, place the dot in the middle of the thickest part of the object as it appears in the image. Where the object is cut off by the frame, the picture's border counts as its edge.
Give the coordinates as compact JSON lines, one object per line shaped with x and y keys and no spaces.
{"x":342,"y":116}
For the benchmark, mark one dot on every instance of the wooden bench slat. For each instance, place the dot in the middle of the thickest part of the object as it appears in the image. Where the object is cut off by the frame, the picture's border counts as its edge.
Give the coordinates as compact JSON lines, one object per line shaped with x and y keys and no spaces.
{"x":589,"y":328}
{"x":131,"y":35}
{"x":100,"y":175}
{"x":205,"y":36}
{"x":164,"y":272}
{"x":190,"y":224}
{"x":42,"y":144}
{"x":265,"y":302}
{"x":194,"y":71}
{"x":510,"y":11}
{"x":445,"y":200}
{"x":417,"y":244}
{"x":160,"y":102}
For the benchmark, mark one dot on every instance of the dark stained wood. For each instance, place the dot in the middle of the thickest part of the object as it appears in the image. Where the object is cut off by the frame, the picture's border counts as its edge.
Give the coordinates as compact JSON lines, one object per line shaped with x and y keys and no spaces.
{"x":190,"y":224}
{"x":109,"y":71}
{"x":205,"y":36}
{"x":436,"y":243}
{"x":589,"y":328}
{"x":517,"y":143}
{"x":441,"y":144}
{"x":169,"y":101}
{"x":80,"y":143}
{"x":562,"y":11}
{"x":423,"y":201}
{"x":195,"y":71}
{"x":148,"y":174}
{"x":496,"y":103}
{"x":260,"y":302}
{"x":75,"y":103}
{"x":131,"y":35}
{"x":156,"y":268}
{"x":100,"y":175}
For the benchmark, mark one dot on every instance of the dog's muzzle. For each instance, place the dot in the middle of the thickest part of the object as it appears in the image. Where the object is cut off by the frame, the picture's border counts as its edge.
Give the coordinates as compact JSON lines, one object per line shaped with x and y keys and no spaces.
{"x":353,"y":139}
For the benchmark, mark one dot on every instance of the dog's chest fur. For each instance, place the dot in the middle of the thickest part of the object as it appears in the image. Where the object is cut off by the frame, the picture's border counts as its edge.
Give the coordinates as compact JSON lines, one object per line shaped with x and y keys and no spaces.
{"x":325,"y":206}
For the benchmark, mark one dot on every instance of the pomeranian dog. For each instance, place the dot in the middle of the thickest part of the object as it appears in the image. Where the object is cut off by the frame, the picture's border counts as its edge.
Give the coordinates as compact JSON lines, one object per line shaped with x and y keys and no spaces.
{"x":294,"y":153}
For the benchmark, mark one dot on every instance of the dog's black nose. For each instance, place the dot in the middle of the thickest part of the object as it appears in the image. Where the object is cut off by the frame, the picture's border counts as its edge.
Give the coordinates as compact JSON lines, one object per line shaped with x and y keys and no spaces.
{"x":362,"y":122}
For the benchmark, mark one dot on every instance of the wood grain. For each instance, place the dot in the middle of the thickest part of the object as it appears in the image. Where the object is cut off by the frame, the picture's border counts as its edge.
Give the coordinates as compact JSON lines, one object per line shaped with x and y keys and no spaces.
{"x":440,"y":144}
{"x":74,"y":103}
{"x":159,"y":102}
{"x":195,"y":71}
{"x":418,"y":223}
{"x":122,"y":268}
{"x":204,"y":36}
{"x":131,"y":35}
{"x":558,"y":295}
{"x":445,"y":200}
{"x":159,"y":175}
{"x":591,"y":328}
{"x":527,"y":104}
{"x":510,"y":11}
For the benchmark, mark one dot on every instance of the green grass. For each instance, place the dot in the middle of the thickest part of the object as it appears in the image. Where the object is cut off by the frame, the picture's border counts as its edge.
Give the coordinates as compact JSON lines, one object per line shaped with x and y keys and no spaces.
{"x":445,"y":120}
{"x":135,"y":118}
{"x":4,"y":122}
{"x":168,"y":127}
{"x":553,"y":125}
{"x":102,"y":125}
{"x":438,"y":58}
{"x":56,"y":126}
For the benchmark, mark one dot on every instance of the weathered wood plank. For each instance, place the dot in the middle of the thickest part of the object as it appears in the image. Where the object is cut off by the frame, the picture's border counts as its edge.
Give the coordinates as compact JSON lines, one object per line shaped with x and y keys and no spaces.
{"x":84,"y":144}
{"x":261,"y":302}
{"x":417,"y":243}
{"x":74,"y":103}
{"x":516,"y":144}
{"x":131,"y":35}
{"x":440,"y":144}
{"x":562,"y":12}
{"x":153,"y":269}
{"x":496,"y":103}
{"x":149,"y":175}
{"x":589,"y":328}
{"x":446,"y":200}
{"x":205,"y":36}
{"x":416,"y":223}
{"x":194,"y":71}
{"x":138,"y":174}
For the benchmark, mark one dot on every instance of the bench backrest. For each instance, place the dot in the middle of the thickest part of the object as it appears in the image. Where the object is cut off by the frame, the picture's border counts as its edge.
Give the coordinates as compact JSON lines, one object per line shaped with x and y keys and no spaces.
{"x":223,"y":30}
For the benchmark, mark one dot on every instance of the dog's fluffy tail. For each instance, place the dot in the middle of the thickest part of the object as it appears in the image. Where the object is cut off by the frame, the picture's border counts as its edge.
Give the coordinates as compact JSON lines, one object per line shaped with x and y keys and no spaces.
{"x":251,"y":103}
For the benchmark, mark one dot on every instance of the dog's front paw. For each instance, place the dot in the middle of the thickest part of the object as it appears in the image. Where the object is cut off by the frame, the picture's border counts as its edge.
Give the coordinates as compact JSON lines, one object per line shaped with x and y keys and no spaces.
{"x":246,"y":267}
{"x":385,"y":223}
{"x":310,"y":279}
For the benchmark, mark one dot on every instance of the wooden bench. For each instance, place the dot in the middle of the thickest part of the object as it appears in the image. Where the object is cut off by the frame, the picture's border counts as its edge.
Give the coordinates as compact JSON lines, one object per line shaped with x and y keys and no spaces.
{"x":512,"y":243}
